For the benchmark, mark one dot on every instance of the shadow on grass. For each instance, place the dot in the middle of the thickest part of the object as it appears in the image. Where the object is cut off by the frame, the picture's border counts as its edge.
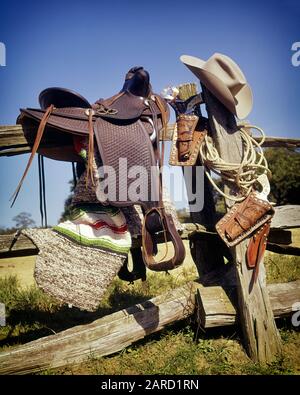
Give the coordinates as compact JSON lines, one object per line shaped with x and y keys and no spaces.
{"x":32,"y":315}
{"x":27,"y":323}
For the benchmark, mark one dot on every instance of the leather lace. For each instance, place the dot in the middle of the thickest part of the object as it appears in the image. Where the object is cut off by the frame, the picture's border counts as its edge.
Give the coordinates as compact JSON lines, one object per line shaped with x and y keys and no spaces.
{"x":90,"y":173}
{"x":35,"y":147}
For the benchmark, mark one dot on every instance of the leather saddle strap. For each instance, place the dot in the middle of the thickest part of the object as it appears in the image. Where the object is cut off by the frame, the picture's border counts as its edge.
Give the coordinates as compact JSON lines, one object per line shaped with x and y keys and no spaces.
{"x":35,"y":147}
{"x":90,"y":172}
{"x":161,"y":152}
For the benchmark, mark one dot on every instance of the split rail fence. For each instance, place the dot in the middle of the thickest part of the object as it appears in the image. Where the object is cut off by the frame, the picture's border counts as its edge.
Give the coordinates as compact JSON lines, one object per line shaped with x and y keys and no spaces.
{"x":220,"y":297}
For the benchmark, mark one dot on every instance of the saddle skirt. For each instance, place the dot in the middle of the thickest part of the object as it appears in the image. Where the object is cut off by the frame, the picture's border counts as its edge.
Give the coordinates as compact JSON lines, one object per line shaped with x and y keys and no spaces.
{"x":123,"y":160}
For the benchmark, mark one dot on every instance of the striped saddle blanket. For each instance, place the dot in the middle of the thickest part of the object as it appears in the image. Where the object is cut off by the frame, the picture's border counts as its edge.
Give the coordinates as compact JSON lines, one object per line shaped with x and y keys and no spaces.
{"x":97,"y":226}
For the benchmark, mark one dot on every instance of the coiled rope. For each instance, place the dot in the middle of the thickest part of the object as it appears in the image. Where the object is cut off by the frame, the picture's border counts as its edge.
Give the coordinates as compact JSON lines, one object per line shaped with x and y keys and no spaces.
{"x":243,"y":174}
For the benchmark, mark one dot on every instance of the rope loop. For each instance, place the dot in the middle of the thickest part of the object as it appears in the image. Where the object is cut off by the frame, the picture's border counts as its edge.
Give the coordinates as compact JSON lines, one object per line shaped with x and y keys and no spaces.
{"x":243,"y":174}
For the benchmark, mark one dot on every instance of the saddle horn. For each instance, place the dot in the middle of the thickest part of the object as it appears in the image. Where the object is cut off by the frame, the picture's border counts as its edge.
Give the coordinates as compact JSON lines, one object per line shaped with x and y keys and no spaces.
{"x":137,"y":82}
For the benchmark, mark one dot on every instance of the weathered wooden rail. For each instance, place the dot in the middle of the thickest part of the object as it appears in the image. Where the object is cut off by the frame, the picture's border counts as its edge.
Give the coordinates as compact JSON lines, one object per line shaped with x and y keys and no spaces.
{"x":280,"y":239}
{"x":116,"y":331}
{"x":14,"y":142}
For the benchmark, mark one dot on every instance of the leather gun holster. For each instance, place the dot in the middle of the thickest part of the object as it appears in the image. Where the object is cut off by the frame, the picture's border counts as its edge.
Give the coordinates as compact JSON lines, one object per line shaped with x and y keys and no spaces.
{"x":243,"y":219}
{"x":186,"y":141}
{"x":186,"y":125}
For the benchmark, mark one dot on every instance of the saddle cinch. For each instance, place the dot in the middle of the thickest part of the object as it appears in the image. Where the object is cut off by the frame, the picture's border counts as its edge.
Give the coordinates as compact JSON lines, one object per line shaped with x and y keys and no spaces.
{"x":124,"y":126}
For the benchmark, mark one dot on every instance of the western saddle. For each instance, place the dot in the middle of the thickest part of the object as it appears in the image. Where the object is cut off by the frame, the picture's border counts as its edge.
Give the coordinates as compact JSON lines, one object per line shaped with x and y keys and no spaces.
{"x":131,"y":118}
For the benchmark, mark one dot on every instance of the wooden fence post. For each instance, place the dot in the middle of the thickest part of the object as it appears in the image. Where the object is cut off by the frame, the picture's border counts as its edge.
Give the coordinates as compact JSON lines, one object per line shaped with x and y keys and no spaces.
{"x":261,"y":337}
{"x":207,"y":254}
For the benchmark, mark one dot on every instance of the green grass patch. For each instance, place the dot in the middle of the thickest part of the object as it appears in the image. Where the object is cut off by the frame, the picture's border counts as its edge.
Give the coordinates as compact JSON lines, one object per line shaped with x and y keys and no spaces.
{"x":176,"y":352}
{"x":32,"y":314}
{"x":282,"y":268}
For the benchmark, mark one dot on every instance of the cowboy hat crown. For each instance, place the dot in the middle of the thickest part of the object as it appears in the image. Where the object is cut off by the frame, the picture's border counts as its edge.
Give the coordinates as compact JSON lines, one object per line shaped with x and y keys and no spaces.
{"x":224,"y":78}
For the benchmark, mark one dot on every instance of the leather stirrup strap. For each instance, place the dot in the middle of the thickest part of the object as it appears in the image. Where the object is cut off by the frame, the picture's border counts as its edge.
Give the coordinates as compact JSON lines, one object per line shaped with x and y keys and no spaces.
{"x":166,"y":220}
{"x":162,"y":151}
{"x":35,"y":147}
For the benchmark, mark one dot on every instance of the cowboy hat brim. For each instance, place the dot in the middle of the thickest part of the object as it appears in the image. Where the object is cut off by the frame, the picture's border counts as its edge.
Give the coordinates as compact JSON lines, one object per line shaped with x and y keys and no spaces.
{"x":240,"y":104}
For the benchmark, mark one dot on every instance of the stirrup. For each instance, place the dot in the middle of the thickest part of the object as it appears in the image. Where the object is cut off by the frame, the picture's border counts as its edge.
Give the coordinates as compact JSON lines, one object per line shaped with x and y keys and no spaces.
{"x":168,"y":226}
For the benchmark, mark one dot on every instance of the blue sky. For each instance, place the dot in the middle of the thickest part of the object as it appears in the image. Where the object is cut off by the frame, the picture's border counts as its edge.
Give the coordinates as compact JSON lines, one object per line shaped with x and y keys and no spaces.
{"x":89,"y":46}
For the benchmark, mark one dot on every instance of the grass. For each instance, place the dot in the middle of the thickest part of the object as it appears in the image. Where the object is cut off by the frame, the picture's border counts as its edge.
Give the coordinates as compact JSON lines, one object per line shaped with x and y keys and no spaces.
{"x":31,"y":314}
{"x":174,"y":351}
{"x":281,"y":269}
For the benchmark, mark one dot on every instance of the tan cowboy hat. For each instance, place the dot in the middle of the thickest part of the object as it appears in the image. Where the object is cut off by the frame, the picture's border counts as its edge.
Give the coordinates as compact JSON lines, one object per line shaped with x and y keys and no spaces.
{"x":223,"y":77}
